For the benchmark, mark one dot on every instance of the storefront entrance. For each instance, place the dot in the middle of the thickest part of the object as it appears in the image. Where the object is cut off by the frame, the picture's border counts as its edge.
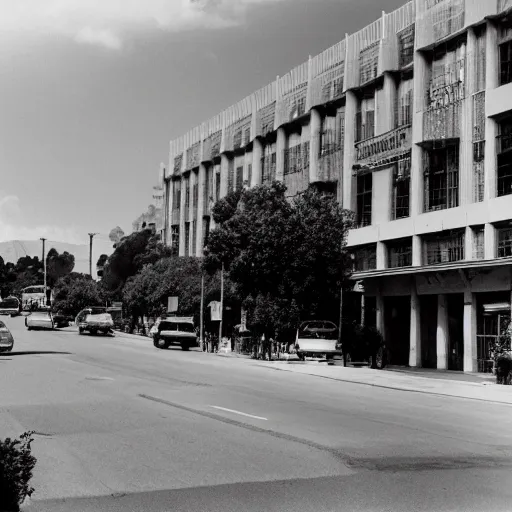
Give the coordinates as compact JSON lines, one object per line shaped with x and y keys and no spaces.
{"x":428,"y":320}
{"x":397,"y":318}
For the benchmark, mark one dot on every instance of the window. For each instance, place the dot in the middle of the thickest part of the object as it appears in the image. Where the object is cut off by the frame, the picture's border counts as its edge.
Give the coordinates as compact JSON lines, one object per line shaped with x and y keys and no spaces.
{"x":365,"y":258}
{"x":368,"y":63}
{"x":194,"y":237}
{"x":504,"y":242}
{"x":365,"y":120}
{"x":175,"y":239}
{"x":293,"y":159}
{"x":206,"y":230}
{"x":505,"y":51}
{"x":406,"y":46}
{"x":237,"y":139}
{"x":404,"y":103}
{"x":269,"y":168}
{"x":176,"y":201}
{"x":231,"y":175}
{"x":400,"y":253}
{"x":401,"y":188}
{"x":480,"y":60}
{"x":364,"y":200}
{"x":187,"y":238}
{"x":195,"y":195}
{"x":332,"y":134}
{"x":217,"y":186}
{"x":504,"y":174}
{"x":187,"y":192}
{"x":239,"y":177}
{"x":445,"y":247}
{"x":442,"y":178}
{"x":247,"y":135}
{"x":249,"y":175}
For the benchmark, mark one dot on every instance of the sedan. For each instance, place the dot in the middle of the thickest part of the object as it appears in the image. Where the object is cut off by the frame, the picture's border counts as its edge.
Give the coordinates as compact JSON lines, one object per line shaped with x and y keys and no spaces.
{"x":39,"y":320}
{"x":6,"y":339}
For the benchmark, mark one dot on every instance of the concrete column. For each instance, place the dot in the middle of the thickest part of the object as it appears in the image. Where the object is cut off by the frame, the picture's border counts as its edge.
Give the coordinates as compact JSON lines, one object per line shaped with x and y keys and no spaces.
{"x":466,"y":174}
{"x":417,"y":251}
{"x":200,"y":209}
{"x":257,"y":155}
{"x":468,"y":244}
{"x":349,"y":200}
{"x":491,"y":128}
{"x":382,"y":256}
{"x":470,"y":347}
{"x":380,"y":314}
{"x":442,"y":336}
{"x":417,"y":184}
{"x":363,"y":309}
{"x":183,"y":216}
{"x":280,"y":147}
{"x":168,"y":199}
{"x":314,"y":145}
{"x":224,"y":170}
{"x":387,"y":109}
{"x":192,"y":211}
{"x":489,"y":242}
{"x":415,"y":329}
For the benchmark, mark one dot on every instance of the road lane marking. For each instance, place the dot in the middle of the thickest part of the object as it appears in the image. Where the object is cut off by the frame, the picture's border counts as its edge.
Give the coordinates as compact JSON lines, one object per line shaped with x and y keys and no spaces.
{"x":239,"y":412}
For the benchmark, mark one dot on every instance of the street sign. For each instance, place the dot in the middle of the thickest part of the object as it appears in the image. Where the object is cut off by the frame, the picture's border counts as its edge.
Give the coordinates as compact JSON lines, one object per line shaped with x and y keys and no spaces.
{"x":215,"y":311}
{"x":172,"y":304}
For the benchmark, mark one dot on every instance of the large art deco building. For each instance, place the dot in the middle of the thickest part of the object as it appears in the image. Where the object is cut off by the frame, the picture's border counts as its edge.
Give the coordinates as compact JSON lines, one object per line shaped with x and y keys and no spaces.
{"x":409,"y":123}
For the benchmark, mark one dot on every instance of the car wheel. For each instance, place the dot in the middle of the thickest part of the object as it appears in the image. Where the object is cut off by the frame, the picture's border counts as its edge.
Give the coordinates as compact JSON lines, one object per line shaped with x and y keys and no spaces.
{"x":29,"y":328}
{"x":80,"y":331}
{"x":160,"y":343}
{"x":380,"y":359}
{"x":185,"y":347}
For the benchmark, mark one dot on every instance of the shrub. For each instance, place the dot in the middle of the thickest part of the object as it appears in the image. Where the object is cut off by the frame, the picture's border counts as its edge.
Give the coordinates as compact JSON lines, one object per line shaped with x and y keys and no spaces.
{"x":16,"y":465}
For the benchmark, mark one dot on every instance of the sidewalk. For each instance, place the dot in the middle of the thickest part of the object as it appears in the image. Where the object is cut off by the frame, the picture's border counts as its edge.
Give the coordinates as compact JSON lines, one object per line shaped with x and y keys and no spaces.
{"x":436,"y":382}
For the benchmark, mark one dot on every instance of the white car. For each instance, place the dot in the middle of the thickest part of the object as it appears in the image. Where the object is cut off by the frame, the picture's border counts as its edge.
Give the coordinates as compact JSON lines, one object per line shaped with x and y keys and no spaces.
{"x":94,"y":320}
{"x":319,"y":339}
{"x":40,"y":319}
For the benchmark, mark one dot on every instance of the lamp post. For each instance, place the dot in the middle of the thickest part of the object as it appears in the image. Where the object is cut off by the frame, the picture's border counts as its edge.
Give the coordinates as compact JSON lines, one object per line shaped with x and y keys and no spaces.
{"x":221,"y":302}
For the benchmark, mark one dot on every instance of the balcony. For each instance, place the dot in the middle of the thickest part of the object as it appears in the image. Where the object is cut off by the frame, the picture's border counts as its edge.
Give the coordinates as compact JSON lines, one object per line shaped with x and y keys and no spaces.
{"x":384,"y":149}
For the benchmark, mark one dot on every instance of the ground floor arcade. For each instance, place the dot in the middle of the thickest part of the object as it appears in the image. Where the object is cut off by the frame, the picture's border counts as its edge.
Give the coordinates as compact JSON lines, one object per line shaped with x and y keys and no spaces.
{"x":441,"y":318}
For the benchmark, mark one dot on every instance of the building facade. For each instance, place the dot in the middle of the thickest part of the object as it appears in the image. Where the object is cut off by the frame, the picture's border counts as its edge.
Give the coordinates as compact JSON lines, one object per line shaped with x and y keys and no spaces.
{"x":409,"y":123}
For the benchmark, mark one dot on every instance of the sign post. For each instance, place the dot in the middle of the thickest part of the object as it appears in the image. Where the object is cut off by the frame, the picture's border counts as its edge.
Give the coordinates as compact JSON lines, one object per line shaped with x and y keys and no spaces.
{"x":172,"y":304}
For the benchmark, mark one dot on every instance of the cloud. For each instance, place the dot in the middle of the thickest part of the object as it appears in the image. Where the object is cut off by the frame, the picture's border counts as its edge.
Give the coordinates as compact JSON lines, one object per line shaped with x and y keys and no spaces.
{"x":11,"y":227}
{"x":108,"y":22}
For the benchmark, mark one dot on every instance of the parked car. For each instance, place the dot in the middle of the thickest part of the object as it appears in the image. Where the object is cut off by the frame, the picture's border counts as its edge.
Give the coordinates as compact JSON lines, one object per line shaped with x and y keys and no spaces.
{"x":61,"y":320}
{"x":10,"y":306}
{"x":177,"y":330}
{"x":94,"y":320}
{"x":319,"y":339}
{"x":39,"y":319}
{"x":6,"y":339}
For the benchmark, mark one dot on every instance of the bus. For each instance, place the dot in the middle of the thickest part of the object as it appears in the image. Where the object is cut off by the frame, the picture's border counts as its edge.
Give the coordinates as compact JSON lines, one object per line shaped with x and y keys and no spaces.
{"x":33,"y":297}
{"x":10,"y":306}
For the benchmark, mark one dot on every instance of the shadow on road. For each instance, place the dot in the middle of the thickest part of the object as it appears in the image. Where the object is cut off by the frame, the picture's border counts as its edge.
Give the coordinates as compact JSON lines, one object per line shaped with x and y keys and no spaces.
{"x":33,"y":353}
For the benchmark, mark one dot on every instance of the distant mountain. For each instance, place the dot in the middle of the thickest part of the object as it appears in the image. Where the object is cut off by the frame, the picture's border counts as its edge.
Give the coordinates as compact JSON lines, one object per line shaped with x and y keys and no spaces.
{"x":15,"y":249}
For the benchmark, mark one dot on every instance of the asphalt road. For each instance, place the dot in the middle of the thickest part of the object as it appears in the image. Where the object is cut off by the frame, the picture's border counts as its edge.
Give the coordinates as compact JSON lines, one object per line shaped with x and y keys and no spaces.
{"x":123,"y":426}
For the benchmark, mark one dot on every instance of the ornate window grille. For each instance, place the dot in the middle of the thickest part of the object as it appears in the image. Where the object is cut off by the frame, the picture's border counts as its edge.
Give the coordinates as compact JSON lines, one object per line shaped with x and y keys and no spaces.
{"x":404,"y":103}
{"x":364,"y":199}
{"x":332,"y":134}
{"x":231,"y":175}
{"x":480,"y":60}
{"x":442,"y":178}
{"x":365,"y":120}
{"x":268,"y":164}
{"x":365,"y":258}
{"x":504,"y":149}
{"x":187,"y":192}
{"x":478,"y":243}
{"x":400,"y":253}
{"x":217,"y":186}
{"x":504,"y":248}
{"x":239,"y":177}
{"x":406,"y":46}
{"x":447,"y":17}
{"x":266,"y":116}
{"x":402,"y":188}
{"x":445,"y":247}
{"x":175,"y":238}
{"x":369,"y":63}
{"x":194,"y":237}
{"x":178,"y":160}
{"x":506,"y":62}
{"x":211,"y":145}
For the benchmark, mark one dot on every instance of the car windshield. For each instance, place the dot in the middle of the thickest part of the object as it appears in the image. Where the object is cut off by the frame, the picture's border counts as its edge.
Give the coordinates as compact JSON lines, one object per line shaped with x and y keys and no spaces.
{"x":176,"y":326}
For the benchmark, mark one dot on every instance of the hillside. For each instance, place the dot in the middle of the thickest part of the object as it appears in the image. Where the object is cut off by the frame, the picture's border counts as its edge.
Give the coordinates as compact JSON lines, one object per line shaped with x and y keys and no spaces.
{"x":15,"y":249}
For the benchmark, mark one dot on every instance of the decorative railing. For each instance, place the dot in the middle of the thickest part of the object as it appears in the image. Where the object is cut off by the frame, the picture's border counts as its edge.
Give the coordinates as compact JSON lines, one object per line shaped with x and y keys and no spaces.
{"x":442,"y":123}
{"x":439,"y":19}
{"x":265,"y":119}
{"x":384,"y":149}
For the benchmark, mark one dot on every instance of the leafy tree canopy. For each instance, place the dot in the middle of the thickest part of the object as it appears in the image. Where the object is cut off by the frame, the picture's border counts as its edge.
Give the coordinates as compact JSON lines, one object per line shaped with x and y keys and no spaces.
{"x":287,"y":259}
{"x":76,"y":291}
{"x":58,"y":265}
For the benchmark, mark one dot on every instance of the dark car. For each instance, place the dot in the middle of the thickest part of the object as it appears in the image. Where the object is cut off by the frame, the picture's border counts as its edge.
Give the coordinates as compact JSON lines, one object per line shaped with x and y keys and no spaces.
{"x":175,"y":331}
{"x":61,"y":320}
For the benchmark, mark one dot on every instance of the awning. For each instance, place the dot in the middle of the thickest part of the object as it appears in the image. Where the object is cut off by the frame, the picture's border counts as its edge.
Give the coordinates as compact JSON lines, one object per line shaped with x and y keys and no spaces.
{"x":497,"y":308}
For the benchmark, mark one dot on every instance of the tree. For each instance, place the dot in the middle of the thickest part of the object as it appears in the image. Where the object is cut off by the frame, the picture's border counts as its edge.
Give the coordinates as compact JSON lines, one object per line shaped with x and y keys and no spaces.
{"x":116,"y":234}
{"x":58,"y":265}
{"x":287,"y":259}
{"x":28,"y":271}
{"x":75,"y":292}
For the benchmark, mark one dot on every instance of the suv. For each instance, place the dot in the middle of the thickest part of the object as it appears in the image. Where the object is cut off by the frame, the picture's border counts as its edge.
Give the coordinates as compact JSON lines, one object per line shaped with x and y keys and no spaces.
{"x":94,"y":320}
{"x":176,"y":330}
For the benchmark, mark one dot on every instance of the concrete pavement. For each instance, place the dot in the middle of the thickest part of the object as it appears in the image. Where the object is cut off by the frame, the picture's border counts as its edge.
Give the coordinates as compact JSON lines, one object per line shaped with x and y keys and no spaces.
{"x":124,"y":426}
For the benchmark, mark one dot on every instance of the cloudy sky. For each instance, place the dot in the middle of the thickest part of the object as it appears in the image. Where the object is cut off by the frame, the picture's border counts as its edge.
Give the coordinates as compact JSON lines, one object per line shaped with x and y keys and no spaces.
{"x":91,"y":92}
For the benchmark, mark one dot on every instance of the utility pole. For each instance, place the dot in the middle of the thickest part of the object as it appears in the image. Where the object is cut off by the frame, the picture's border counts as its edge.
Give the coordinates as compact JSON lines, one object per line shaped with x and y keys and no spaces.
{"x":44,"y":271}
{"x":221,"y":302}
{"x":91,"y":236}
{"x":201,"y":314}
